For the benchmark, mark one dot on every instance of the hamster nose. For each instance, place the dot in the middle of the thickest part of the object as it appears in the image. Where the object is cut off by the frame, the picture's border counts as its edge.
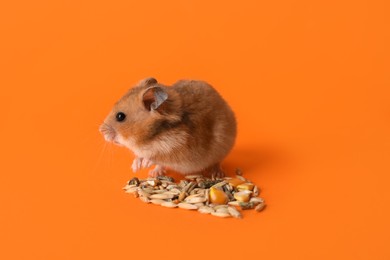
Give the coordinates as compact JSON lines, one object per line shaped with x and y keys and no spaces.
{"x":108,"y":132}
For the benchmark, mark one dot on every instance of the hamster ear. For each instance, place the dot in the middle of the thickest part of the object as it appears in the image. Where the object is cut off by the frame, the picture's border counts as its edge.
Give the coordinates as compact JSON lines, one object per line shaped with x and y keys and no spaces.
{"x":154,"y":97}
{"x":147,"y":81}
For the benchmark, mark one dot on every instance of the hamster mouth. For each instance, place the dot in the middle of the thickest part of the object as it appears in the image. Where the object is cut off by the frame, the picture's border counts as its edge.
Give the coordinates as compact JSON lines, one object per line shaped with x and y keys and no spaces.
{"x":108,"y":133}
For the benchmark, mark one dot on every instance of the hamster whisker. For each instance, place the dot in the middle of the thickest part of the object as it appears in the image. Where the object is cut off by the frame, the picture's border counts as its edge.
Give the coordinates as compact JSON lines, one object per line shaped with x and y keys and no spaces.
{"x":100,"y":157}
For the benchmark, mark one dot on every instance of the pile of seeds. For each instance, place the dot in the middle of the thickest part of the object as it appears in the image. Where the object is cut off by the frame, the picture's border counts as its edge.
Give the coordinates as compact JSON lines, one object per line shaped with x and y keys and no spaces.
{"x":224,"y":197}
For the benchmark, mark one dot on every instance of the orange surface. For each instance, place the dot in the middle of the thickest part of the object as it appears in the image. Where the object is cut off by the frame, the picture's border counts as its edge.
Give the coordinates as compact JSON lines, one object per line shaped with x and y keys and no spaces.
{"x":309,"y":83}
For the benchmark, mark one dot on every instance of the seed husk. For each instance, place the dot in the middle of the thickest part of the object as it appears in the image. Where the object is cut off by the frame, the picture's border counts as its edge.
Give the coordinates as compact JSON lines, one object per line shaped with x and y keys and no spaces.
{"x":247,"y":205}
{"x":206,"y":184}
{"x":189,"y":206}
{"x":131,"y":190}
{"x":169,"y":204}
{"x":228,"y":193}
{"x":221,"y":214}
{"x":216,"y":207}
{"x":157,"y":201}
{"x":144,"y":199}
{"x":241,"y":178}
{"x":256,"y":200}
{"x":199,"y":204}
{"x":143,"y":193}
{"x":128,"y":186}
{"x":219,"y":184}
{"x":234,"y":203}
{"x":256,"y":191}
{"x":222,"y":210}
{"x":175,"y":190}
{"x":171,"y":186}
{"x":148,"y":190}
{"x":234,"y":212}
{"x":194,"y":200}
{"x":154,"y":182}
{"x":166,"y":178}
{"x":260,"y":207}
{"x":161,"y":196}
{"x":172,"y":193}
{"x":182,"y":195}
{"x":205,"y":210}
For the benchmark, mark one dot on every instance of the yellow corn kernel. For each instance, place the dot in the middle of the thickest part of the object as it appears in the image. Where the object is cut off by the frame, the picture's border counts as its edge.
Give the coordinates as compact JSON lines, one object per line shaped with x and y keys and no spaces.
{"x":235,"y":182}
{"x":217,"y":196}
{"x":243,"y":196}
{"x":245,"y":186}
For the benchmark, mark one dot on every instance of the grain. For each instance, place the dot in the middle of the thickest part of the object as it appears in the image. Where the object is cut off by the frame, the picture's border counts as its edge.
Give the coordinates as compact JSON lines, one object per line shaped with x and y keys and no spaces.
{"x":221,"y":197}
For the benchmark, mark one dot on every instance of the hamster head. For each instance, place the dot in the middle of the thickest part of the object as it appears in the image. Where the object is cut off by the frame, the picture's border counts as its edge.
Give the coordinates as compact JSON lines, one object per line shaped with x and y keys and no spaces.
{"x":132,"y":119}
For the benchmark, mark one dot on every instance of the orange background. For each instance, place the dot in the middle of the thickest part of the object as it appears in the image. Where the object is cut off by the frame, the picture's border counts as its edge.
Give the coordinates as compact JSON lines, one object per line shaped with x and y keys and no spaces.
{"x":308,"y":81}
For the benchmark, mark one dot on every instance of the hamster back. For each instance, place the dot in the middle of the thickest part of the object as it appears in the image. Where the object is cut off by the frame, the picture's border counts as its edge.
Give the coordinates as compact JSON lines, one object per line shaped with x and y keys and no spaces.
{"x":205,"y":133}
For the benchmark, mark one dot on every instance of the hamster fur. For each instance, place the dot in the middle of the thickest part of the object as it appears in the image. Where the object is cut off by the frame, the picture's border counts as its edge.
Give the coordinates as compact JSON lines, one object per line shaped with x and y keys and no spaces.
{"x":187,"y":127}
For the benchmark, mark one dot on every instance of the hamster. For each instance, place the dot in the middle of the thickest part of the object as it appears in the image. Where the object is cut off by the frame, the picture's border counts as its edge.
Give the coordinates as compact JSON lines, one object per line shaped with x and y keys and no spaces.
{"x":187,"y":127}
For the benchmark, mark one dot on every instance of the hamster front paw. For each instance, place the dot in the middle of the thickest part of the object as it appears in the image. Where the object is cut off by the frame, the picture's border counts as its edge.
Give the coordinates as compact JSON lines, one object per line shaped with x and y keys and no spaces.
{"x":157,"y":171}
{"x":215,"y":172}
{"x":140,"y":163}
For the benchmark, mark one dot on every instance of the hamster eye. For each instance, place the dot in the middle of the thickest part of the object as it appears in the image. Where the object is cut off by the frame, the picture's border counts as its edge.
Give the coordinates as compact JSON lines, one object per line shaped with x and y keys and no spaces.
{"x":120,"y":116}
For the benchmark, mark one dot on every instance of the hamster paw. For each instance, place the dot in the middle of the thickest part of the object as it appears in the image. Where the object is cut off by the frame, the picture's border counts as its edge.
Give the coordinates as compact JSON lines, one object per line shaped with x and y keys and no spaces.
{"x":157,"y":171}
{"x":140,"y":163}
{"x":216,"y":172}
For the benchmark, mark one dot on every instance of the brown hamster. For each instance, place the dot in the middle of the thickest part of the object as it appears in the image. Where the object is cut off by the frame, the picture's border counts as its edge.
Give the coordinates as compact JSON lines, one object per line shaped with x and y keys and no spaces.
{"x":187,"y":127}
